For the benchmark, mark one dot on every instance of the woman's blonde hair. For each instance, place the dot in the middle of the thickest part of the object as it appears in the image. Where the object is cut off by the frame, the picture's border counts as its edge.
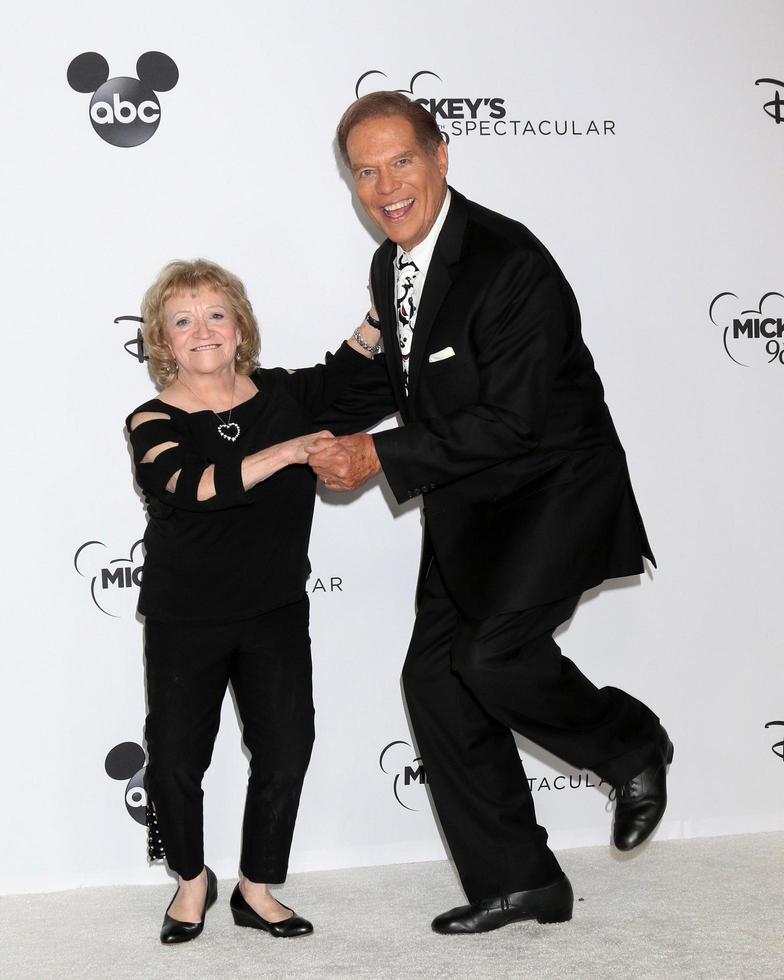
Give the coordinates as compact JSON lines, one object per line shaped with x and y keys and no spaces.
{"x":181,"y":276}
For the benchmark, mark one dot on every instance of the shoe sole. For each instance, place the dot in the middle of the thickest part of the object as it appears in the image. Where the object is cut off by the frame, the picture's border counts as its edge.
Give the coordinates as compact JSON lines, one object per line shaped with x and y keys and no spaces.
{"x":543,"y":918}
{"x":550,"y":918}
{"x":246,"y":921}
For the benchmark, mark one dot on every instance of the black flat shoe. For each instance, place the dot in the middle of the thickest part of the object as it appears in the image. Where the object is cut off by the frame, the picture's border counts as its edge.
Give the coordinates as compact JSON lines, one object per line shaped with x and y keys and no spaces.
{"x":244,"y":915}
{"x":640,"y":803}
{"x":553,"y":903}
{"x":174,"y":931}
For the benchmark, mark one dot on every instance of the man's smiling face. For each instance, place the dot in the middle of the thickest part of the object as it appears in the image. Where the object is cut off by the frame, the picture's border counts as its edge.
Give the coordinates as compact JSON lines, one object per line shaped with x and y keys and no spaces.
{"x":401,"y":184}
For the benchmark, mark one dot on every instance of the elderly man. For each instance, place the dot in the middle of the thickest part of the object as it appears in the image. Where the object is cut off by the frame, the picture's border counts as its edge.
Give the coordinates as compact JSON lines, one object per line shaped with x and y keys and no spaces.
{"x":527,"y":503}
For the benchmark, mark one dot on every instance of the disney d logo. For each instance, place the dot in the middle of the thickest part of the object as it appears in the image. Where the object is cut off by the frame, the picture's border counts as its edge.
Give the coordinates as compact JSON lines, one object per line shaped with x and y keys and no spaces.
{"x":135,"y":346}
{"x":408,"y":774}
{"x":774,"y":108}
{"x":778,"y":747}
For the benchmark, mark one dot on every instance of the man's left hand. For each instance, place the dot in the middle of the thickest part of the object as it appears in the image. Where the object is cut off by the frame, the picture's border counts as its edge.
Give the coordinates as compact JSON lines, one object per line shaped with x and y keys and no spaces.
{"x":344,"y":463}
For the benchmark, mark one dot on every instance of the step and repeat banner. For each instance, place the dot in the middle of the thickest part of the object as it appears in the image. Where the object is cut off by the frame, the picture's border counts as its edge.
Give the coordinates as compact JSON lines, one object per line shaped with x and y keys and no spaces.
{"x":645,"y":148}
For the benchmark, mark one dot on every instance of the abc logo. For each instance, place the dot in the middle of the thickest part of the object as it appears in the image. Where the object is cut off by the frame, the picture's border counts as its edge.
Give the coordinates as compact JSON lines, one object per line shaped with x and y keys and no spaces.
{"x":126,"y":762}
{"x":124,"y":111}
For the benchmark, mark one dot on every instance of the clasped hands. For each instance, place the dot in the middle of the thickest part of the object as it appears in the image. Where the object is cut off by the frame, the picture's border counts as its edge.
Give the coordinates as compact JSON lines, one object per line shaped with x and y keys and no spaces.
{"x":343,"y":462}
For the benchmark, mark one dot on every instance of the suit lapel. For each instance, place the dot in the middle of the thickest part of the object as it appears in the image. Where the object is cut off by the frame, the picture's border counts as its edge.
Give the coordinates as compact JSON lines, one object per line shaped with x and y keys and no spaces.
{"x":440,"y":275}
{"x":439,"y":279}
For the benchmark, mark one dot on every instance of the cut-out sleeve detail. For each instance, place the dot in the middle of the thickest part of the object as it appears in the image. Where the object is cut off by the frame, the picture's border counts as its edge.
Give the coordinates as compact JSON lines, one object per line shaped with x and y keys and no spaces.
{"x":140,"y":418}
{"x":162,"y":450}
{"x":151,"y":438}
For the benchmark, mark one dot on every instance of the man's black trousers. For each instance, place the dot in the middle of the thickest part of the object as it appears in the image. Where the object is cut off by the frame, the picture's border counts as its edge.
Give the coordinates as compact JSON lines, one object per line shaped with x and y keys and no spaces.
{"x":467,"y":683}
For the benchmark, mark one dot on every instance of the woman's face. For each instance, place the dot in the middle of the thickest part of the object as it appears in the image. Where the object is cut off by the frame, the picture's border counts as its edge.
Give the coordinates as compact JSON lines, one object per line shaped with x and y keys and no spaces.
{"x":201,"y":330}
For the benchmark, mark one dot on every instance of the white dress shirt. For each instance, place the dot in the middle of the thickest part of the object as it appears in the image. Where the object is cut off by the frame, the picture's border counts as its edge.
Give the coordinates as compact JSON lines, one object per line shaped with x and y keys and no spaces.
{"x":420,"y":255}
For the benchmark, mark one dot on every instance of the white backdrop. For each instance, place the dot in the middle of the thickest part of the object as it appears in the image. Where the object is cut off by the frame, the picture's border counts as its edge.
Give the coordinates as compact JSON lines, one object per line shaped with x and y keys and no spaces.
{"x":676,"y":199}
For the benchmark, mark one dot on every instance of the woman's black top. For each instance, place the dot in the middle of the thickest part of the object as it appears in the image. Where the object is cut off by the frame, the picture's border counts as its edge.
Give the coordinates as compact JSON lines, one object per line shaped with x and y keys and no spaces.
{"x":242,"y":552}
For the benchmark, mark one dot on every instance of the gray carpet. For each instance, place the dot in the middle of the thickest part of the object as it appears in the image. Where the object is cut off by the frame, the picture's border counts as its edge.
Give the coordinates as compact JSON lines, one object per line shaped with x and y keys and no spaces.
{"x":695,"y":909}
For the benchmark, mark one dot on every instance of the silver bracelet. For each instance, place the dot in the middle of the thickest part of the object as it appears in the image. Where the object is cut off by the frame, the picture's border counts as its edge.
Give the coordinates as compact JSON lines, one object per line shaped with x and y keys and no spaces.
{"x":370,"y":348}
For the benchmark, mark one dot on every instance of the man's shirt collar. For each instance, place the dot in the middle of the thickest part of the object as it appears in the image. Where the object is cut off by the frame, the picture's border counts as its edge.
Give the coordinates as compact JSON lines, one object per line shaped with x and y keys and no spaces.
{"x":422,"y":253}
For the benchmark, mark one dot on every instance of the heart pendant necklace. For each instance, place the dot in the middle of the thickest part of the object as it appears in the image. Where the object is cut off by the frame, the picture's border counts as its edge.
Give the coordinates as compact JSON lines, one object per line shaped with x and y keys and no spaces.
{"x":228,"y":429}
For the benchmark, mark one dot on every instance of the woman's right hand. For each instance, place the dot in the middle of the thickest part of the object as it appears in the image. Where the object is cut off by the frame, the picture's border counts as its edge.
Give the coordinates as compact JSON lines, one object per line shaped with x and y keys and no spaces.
{"x":261,"y":465}
{"x":295,"y":448}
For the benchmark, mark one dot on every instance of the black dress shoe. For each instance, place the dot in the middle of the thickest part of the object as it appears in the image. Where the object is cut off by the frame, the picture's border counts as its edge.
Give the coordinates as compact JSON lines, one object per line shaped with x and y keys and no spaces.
{"x":244,"y":915}
{"x":174,"y":931}
{"x":553,"y":903}
{"x":640,"y":803}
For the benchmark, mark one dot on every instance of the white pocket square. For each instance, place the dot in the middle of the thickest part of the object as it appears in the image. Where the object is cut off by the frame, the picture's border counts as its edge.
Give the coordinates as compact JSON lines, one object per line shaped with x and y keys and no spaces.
{"x":441,"y":355}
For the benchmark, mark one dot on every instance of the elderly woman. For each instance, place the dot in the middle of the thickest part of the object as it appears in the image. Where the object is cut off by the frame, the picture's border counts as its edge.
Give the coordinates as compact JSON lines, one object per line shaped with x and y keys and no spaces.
{"x":220,"y":456}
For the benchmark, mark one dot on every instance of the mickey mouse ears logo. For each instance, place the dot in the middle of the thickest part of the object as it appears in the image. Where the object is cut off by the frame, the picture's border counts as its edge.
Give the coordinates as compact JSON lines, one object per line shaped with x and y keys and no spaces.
{"x":113,"y":581}
{"x":397,"y":758}
{"x":751,"y":336}
{"x":126,"y":762}
{"x":363,"y":83}
{"x":124,"y":111}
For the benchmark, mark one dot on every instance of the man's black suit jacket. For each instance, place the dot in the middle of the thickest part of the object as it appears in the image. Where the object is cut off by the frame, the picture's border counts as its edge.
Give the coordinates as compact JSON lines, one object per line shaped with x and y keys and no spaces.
{"x":526,"y":492}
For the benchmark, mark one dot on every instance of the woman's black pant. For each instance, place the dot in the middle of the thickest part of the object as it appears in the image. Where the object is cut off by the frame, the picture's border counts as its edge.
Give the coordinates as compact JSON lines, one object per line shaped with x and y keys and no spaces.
{"x":267,"y":661}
